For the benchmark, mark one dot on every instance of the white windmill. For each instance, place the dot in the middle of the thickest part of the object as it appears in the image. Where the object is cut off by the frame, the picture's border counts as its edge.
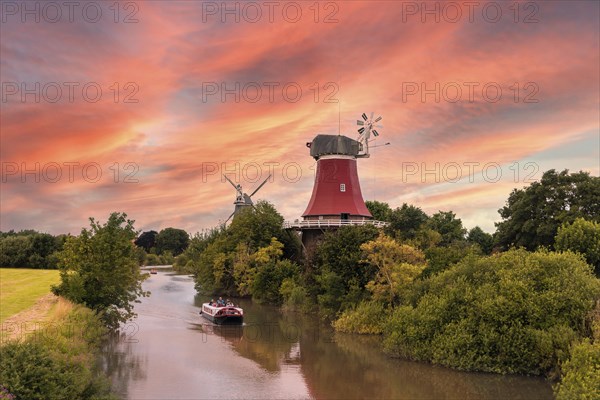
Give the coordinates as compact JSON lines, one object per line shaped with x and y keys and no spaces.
{"x":242,"y":199}
{"x":367,"y":127}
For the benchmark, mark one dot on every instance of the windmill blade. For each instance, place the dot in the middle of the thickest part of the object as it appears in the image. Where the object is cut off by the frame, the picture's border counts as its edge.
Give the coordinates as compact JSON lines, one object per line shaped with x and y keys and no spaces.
{"x":359,"y":122}
{"x":372,"y":115}
{"x":227,"y":220}
{"x":365,"y":116}
{"x":261,"y":185}
{"x":375,"y":133}
{"x":229,"y":180}
{"x":361,"y":130}
{"x":378,"y":119}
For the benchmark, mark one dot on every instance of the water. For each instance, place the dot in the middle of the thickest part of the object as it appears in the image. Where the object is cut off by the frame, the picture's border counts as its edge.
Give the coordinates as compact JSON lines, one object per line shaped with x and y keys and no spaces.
{"x":170,"y":352}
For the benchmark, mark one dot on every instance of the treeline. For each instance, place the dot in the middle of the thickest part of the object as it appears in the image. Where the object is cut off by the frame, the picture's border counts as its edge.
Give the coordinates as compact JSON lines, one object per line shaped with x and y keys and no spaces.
{"x":30,"y":249}
{"x":515,"y":301}
{"x":161,"y":248}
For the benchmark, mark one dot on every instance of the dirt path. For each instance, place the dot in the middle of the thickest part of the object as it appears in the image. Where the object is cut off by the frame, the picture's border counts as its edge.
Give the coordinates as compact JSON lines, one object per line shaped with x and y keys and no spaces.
{"x":28,"y":321}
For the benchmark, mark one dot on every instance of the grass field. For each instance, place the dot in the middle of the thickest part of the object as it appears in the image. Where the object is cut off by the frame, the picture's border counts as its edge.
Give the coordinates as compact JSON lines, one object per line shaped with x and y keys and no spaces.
{"x":20,"y":288}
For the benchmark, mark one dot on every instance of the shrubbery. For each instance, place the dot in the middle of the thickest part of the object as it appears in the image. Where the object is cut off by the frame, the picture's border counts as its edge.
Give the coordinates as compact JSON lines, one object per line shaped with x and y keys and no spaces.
{"x":57,"y":363}
{"x":583,"y":237}
{"x":581,"y":373}
{"x":516,"y":312}
{"x":366,"y":318}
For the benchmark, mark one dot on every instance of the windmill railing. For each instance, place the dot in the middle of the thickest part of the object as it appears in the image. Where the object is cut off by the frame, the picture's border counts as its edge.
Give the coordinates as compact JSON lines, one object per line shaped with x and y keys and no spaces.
{"x":317,"y":224}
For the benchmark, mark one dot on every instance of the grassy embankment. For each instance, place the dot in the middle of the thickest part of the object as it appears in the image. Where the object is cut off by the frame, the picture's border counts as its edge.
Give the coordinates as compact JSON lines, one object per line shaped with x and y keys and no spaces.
{"x":55,"y":355}
{"x":21,"y":288}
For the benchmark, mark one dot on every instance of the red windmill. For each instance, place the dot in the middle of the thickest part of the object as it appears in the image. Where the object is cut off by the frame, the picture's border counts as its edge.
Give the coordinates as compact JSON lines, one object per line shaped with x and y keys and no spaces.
{"x":336,"y":197}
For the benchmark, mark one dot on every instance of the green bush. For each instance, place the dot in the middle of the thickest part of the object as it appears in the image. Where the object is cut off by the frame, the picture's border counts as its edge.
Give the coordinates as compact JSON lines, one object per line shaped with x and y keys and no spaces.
{"x":31,"y":372}
{"x":366,"y":318}
{"x":269,"y":278}
{"x":57,"y":362}
{"x":515,"y":312}
{"x":294,"y":295}
{"x":581,"y":373}
{"x":582,"y":237}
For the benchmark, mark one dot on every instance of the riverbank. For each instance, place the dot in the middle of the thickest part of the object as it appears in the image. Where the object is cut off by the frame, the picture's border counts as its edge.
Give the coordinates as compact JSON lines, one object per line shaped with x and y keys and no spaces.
{"x":50,"y":349}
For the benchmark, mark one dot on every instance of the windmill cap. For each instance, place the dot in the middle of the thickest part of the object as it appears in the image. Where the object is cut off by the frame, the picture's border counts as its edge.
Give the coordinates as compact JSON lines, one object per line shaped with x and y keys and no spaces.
{"x":333,"y":144}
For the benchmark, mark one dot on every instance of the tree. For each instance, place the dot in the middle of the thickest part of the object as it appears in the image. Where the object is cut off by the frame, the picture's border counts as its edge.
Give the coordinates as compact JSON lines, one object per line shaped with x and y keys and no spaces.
{"x":99,"y":269}
{"x":397,"y":265}
{"x":214,"y":260}
{"x":339,"y":278}
{"x":43,"y":245}
{"x":532,"y":215}
{"x":582,"y":237}
{"x":405,"y":222}
{"x":379,"y":210}
{"x":147,"y":240}
{"x":15,"y":251}
{"x":450,"y":227}
{"x":340,"y":253}
{"x":270,"y":273}
{"x":173,"y":240}
{"x":481,"y":238}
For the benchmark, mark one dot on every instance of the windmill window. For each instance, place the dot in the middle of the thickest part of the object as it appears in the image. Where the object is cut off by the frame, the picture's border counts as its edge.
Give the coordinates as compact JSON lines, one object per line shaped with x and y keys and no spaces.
{"x":342,"y":187}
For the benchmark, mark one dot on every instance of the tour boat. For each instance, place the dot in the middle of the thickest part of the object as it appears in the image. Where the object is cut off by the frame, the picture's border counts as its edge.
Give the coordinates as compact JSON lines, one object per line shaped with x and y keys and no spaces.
{"x":222,"y":314}
{"x":153,"y":271}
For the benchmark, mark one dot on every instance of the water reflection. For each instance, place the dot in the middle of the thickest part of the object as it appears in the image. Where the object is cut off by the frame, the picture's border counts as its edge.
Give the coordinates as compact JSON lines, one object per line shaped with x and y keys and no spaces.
{"x":177,"y":354}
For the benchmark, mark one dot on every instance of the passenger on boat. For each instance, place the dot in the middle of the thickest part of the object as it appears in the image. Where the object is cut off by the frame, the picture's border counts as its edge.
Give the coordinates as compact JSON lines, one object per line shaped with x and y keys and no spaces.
{"x":221,"y":302}
{"x":211,"y":302}
{"x":229,"y":303}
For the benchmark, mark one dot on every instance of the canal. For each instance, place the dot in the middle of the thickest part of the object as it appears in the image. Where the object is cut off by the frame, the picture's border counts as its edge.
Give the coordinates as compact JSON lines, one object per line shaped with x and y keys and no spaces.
{"x":170,"y":352}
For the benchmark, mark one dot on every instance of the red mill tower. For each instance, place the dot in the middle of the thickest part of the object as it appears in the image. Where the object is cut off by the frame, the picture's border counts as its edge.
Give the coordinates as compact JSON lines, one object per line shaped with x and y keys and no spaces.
{"x":336,"y":197}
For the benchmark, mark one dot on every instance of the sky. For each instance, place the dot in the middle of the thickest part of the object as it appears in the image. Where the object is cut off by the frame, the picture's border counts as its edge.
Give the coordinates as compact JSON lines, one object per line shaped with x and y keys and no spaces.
{"x":140,"y":107}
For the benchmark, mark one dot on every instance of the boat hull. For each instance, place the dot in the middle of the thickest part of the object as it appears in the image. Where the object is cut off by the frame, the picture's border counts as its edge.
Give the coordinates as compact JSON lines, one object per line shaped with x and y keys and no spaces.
{"x":222,"y":315}
{"x":224,"y":320}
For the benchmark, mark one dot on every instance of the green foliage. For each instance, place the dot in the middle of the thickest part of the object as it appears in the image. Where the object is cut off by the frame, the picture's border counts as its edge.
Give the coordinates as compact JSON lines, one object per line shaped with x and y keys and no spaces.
{"x":340,"y":252}
{"x":164,"y":259}
{"x":219,"y":259}
{"x":294,"y":295}
{"x":441,"y":258}
{"x":147,"y":240}
{"x":484,"y":240}
{"x":582,"y":237}
{"x":447,"y":225}
{"x":332,"y":291}
{"x":532,"y":215}
{"x":30,"y":249}
{"x":58,"y":364}
{"x":367,"y":318}
{"x":269,"y":278}
{"x":15,"y":251}
{"x":405,"y":222}
{"x":99,"y":268}
{"x":581,"y":373}
{"x":339,"y":277}
{"x":379,"y":210}
{"x":515,"y":312}
{"x":172,"y":240}
{"x":397,"y":265}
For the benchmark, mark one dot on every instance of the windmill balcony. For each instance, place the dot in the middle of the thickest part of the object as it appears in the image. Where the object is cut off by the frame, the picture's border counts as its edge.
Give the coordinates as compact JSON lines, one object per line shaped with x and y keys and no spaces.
{"x":331,"y":223}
